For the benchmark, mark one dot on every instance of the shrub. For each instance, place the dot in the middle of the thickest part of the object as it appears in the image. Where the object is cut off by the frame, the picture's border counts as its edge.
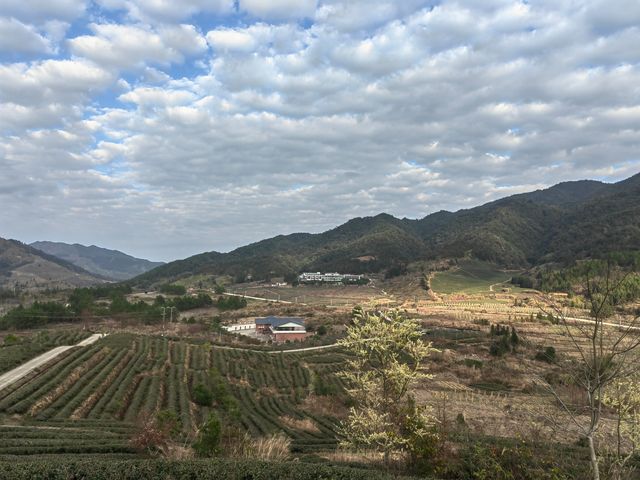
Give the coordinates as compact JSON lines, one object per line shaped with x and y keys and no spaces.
{"x":473,"y":363}
{"x":547,"y":355}
{"x":11,"y":339}
{"x":170,"y":289}
{"x":500,"y":347}
{"x":218,"y":469}
{"x":202,"y":395}
{"x":209,"y":437}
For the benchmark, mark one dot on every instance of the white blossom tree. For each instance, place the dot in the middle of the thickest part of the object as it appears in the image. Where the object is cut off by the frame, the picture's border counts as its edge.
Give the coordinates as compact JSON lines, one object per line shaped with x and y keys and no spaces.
{"x":388,"y":350}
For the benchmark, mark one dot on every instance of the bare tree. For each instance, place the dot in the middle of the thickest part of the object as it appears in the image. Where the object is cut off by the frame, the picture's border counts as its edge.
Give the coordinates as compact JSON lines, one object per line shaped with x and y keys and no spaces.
{"x":601,"y":351}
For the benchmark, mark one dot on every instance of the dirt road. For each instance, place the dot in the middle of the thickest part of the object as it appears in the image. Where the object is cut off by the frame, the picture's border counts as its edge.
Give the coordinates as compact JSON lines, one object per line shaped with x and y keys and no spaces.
{"x":26,"y":368}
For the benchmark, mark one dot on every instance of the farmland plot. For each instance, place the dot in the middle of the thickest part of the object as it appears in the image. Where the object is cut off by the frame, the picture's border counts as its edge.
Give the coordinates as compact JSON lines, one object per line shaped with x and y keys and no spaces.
{"x":91,"y":399}
{"x":15,"y":351}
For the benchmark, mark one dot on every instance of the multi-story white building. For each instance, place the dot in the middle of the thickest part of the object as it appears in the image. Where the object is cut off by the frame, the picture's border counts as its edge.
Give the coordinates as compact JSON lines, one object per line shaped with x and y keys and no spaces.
{"x":311,"y":277}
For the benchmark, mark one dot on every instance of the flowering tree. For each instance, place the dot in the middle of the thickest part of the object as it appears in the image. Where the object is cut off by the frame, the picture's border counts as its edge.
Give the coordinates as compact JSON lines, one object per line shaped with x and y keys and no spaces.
{"x":388,"y":350}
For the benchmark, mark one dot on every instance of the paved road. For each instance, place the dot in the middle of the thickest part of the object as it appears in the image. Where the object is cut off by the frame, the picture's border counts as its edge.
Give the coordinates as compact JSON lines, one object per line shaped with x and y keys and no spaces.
{"x":259,"y":298}
{"x":26,"y":368}
{"x":321,"y":347}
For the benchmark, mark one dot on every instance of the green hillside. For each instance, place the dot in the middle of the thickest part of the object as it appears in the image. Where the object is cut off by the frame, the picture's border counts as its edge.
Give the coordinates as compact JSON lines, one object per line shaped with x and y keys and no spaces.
{"x":568,"y":221}
{"x":471,"y":276}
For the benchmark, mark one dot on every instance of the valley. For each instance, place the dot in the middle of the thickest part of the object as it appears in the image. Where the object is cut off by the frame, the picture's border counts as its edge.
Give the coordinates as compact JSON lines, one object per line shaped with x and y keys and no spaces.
{"x":142,"y":369}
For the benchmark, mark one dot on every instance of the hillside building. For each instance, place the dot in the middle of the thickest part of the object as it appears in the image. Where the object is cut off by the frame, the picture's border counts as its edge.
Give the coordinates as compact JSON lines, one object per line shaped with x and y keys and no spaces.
{"x":313,"y":277}
{"x":282,"y":329}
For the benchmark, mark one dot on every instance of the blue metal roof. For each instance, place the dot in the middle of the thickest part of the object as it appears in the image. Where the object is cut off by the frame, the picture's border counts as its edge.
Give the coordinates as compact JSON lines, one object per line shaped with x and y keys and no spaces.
{"x":277,"y":321}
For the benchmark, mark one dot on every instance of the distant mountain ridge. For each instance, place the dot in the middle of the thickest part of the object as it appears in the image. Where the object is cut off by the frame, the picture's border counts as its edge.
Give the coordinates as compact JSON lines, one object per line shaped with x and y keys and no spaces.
{"x":27,"y":268}
{"x":568,"y":221}
{"x":111,"y":264}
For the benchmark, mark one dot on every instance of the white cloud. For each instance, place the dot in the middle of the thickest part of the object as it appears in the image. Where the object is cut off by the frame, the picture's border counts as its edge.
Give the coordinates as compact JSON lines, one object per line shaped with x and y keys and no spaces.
{"x":279,"y":9}
{"x":16,"y":37}
{"x":168,"y":11}
{"x":367,"y":106}
{"x":228,"y":39}
{"x":357,"y":15}
{"x":157,"y":97}
{"x":40,"y":11}
{"x":51,"y":81}
{"x":132,"y":46}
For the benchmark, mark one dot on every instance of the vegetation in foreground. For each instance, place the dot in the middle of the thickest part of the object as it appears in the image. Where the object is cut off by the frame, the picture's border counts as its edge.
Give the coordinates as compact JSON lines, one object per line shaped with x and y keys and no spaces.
{"x":211,"y":469}
{"x":137,"y":396}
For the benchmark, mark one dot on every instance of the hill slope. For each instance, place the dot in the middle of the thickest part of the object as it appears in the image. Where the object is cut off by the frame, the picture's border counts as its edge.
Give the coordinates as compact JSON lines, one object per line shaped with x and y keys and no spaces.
{"x":567,"y":221}
{"x":111,"y":264}
{"x":25,"y":267}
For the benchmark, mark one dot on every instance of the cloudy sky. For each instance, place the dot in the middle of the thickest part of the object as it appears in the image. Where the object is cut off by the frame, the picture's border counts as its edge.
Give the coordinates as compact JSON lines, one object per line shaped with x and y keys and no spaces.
{"x":165,"y":128}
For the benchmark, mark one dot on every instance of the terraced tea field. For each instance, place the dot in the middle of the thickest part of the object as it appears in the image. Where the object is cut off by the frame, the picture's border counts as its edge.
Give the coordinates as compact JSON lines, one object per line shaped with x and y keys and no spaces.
{"x":18,"y":350}
{"x":91,"y":399}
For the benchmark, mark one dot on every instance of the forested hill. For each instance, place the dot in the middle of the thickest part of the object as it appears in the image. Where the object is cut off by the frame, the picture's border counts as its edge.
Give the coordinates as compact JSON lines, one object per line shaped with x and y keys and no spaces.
{"x":568,"y":221}
{"x":111,"y":264}
{"x":24,"y":267}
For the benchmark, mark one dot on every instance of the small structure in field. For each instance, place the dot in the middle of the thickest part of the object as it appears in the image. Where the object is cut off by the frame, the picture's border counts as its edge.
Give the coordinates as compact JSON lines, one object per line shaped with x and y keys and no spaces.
{"x":282,"y":329}
{"x":238,"y":327}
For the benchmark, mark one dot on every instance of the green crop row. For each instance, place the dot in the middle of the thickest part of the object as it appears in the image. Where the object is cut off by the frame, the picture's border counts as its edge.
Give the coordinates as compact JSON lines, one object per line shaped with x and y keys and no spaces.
{"x":21,"y":399}
{"x":217,"y":469}
{"x":14,"y":350}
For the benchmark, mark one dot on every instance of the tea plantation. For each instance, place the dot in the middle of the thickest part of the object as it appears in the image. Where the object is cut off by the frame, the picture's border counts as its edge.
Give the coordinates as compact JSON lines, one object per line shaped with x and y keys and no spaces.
{"x":92,"y":399}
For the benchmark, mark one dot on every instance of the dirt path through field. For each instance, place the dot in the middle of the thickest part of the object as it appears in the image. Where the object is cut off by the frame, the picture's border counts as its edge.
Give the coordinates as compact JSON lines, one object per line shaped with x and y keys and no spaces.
{"x":26,"y":368}
{"x":499,"y":283}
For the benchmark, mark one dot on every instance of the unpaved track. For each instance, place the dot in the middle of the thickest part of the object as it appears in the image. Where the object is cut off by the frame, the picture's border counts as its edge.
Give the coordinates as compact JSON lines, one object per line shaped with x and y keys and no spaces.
{"x":26,"y":368}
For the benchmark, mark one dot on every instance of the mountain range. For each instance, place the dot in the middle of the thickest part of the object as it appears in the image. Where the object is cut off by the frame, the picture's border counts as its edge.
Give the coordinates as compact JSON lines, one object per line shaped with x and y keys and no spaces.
{"x":25,"y":268}
{"x":560,"y":224}
{"x":110,"y":264}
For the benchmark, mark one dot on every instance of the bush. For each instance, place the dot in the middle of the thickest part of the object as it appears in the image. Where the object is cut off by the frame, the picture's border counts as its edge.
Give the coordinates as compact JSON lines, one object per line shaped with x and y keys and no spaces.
{"x":500,"y":347}
{"x":209,"y":437}
{"x":473,"y":363}
{"x":217,"y":469}
{"x":518,"y":461}
{"x":202,"y":395}
{"x":506,"y":343}
{"x":231,"y":302}
{"x":170,"y":289}
{"x":548,"y":355}
{"x":11,"y":340}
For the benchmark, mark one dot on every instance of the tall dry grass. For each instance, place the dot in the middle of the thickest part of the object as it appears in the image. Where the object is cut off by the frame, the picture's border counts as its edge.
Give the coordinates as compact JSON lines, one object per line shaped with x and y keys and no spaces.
{"x":275,"y":447}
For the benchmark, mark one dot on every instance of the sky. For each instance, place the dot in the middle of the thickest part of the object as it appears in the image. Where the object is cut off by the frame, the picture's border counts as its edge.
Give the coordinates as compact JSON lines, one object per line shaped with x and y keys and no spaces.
{"x":167,"y":128}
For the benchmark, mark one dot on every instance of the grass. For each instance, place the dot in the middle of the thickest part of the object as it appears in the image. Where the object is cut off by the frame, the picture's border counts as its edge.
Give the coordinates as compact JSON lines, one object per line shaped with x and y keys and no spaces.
{"x":470,"y":277}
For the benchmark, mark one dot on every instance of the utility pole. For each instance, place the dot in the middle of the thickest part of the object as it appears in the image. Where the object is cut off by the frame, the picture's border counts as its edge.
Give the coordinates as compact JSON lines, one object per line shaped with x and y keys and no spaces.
{"x":171,"y":309}
{"x":164,"y":312}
